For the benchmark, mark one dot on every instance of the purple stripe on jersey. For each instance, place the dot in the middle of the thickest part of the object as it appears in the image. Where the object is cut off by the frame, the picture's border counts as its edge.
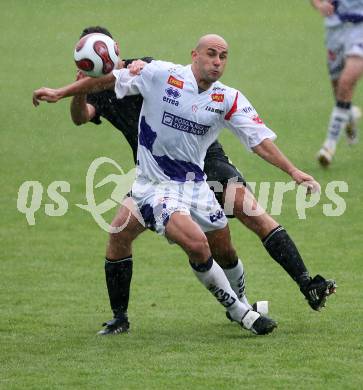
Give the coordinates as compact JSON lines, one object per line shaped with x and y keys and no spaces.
{"x":350,"y":17}
{"x":347,"y":16}
{"x":147,"y":136}
{"x":179,"y":170}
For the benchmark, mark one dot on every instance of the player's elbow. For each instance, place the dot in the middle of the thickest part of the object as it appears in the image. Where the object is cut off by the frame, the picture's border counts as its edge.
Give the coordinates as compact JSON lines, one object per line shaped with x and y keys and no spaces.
{"x":78,"y":121}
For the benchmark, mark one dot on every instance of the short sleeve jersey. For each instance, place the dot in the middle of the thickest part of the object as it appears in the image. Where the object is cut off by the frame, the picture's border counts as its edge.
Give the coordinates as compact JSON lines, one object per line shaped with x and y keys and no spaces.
{"x":177,"y":123}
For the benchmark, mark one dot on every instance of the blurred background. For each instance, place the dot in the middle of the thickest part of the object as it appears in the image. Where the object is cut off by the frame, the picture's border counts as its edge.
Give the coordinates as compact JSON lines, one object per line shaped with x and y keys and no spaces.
{"x":52,"y":291}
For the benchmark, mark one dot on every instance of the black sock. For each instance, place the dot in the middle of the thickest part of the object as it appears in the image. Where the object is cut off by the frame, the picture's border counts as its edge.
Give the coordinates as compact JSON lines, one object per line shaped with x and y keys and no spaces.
{"x":344,"y":105}
{"x":283,"y":250}
{"x":118,"y":279}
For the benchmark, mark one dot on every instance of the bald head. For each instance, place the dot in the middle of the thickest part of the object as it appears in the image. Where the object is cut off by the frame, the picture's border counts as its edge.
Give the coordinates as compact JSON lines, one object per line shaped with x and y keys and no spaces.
{"x":209,"y":59}
{"x":211,"y":40}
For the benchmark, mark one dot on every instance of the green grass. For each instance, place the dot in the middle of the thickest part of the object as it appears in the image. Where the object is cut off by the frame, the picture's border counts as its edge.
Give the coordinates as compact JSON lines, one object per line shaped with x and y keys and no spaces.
{"x":52,"y":291}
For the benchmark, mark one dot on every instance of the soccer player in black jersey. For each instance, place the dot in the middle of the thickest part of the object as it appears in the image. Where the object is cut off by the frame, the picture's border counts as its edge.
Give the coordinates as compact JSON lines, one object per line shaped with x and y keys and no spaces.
{"x":124,"y":114}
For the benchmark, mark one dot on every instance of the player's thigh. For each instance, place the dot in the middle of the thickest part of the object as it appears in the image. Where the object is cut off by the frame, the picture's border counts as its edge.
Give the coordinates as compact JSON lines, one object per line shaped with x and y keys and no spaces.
{"x":220,"y":172}
{"x":353,"y":69}
{"x":353,"y":53}
{"x":247,"y":210}
{"x":241,"y":201}
{"x":128,"y":221}
{"x":352,"y":72}
{"x":182,"y":230}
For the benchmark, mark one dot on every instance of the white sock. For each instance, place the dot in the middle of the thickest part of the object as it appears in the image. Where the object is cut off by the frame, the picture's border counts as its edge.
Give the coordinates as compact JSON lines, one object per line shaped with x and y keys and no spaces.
{"x":339,"y":119}
{"x":236,"y":278}
{"x":214,"y":279}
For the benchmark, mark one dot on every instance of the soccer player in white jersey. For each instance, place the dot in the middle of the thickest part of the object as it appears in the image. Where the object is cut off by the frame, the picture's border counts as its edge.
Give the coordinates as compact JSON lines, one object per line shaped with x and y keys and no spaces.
{"x":184,"y":109}
{"x":344,"y":43}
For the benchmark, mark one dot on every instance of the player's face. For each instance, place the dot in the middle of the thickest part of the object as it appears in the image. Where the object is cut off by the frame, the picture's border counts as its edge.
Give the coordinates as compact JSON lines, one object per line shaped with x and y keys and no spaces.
{"x":209,"y":61}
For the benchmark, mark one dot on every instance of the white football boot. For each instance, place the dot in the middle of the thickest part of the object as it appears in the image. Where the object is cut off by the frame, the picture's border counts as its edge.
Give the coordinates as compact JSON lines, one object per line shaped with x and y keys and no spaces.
{"x":326,"y":153}
{"x":261,"y":307}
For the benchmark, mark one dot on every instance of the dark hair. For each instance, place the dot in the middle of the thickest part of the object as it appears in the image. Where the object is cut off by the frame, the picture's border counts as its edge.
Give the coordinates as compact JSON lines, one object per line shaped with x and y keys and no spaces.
{"x":95,"y":29}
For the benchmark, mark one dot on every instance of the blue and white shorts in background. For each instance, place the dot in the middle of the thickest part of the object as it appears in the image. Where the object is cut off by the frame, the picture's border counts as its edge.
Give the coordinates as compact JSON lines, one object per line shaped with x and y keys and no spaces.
{"x":157,"y":202}
{"x":342,"y":41}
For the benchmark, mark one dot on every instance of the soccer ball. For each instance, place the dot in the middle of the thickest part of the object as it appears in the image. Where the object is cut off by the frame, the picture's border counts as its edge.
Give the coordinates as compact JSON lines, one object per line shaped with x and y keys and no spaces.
{"x":96,"y":54}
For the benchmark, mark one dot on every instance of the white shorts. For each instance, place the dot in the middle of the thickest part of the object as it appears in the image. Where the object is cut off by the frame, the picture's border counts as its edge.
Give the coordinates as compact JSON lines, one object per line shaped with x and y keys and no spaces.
{"x":157,"y":202}
{"x":343,"y":41}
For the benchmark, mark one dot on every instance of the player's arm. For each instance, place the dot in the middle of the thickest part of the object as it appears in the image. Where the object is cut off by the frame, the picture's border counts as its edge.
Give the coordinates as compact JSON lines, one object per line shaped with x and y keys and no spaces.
{"x":325,"y":8}
{"x":81,"y":111}
{"x":245,"y":122}
{"x":79,"y":87}
{"x":272,"y":154}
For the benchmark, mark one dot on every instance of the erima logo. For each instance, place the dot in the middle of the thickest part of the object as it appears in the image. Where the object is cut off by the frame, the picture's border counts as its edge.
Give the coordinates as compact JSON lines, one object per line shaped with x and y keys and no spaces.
{"x":175,"y":82}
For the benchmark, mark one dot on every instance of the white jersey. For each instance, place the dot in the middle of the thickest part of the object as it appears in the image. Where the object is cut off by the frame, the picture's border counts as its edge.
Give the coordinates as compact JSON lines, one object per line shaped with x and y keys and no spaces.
{"x":177,"y":123}
{"x":350,"y":11}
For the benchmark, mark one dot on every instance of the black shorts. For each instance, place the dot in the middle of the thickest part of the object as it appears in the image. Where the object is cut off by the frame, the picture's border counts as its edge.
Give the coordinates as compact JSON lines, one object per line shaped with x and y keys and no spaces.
{"x":219,"y":170}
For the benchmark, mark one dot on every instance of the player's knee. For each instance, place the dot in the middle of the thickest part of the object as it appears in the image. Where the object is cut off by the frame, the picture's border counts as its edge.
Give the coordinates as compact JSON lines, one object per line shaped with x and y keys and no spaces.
{"x":345,"y":87}
{"x":116,"y":239}
{"x":118,"y":222}
{"x":260,"y":224}
{"x":198,"y":248}
{"x":119,"y":245}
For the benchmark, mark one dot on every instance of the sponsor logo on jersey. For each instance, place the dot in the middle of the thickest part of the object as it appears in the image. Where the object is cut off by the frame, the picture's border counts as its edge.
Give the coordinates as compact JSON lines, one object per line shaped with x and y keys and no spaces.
{"x":182,"y":124}
{"x":172,"y":95}
{"x":218,"y":97}
{"x":175,"y":82}
{"x":216,"y":110}
{"x":257,"y":120}
{"x":248,"y":109}
{"x":219,"y":89}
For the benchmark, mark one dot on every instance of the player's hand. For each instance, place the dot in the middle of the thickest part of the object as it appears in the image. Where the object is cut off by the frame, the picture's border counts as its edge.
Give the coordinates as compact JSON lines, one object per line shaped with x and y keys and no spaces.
{"x":136,"y":67}
{"x":306,"y":180}
{"x":45,"y":94}
{"x":326,"y":8}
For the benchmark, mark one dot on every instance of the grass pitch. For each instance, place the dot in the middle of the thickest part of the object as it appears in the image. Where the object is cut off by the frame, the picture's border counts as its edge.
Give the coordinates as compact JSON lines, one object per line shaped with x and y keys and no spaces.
{"x":52,"y":291}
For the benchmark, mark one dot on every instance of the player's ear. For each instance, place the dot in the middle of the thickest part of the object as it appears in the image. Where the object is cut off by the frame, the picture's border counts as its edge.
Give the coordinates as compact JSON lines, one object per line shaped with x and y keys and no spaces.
{"x":117,"y":48}
{"x":194,"y":55}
